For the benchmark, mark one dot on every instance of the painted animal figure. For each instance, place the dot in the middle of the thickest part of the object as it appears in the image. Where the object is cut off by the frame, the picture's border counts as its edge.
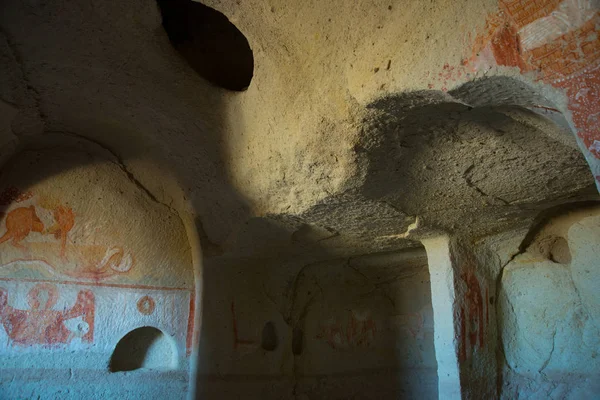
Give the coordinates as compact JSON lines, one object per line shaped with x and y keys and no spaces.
{"x":64,"y":221}
{"x":20,"y":222}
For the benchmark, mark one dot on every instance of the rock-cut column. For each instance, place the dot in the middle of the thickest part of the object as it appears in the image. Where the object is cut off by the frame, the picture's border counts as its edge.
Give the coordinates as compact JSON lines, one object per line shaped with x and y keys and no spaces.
{"x":464,"y":329}
{"x":442,"y":296}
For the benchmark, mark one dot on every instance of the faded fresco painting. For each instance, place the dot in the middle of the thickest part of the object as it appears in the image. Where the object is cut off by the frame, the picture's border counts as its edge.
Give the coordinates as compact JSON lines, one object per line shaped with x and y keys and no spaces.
{"x":41,"y":323}
{"x":84,"y":259}
{"x":42,"y":238}
{"x":54,"y":317}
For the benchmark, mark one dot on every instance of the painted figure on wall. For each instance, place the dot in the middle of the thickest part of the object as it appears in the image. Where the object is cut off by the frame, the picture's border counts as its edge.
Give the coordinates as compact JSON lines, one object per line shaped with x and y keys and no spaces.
{"x":473,"y":316}
{"x":64,"y":221}
{"x":42,"y":238}
{"x":237,"y":342}
{"x":474,"y":309}
{"x":20,"y":222}
{"x":43,"y":325}
{"x":357,"y":331}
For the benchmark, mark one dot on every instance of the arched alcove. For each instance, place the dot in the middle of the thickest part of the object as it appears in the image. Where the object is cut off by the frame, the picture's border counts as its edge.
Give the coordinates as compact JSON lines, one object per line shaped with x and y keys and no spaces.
{"x":213,"y":46}
{"x":84,"y":259}
{"x":145,"y":347}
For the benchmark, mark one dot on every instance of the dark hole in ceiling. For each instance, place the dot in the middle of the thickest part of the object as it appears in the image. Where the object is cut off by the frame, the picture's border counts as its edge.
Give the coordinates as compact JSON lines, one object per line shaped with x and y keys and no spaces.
{"x":212,"y":45}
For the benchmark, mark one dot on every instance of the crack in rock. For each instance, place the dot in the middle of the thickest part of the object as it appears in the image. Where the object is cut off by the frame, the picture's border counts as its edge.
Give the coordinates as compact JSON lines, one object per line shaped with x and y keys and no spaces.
{"x":551,"y":352}
{"x":30,"y":90}
{"x":119,"y":162}
{"x":467,"y":177}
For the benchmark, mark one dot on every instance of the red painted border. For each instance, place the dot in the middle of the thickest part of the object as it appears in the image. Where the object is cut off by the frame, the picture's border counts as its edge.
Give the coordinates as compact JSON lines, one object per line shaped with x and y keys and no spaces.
{"x":190,"y":329}
{"x":116,"y":285}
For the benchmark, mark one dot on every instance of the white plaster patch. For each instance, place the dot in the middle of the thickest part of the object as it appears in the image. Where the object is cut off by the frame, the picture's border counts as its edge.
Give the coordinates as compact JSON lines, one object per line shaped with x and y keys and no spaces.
{"x":595,"y":146}
{"x":570,"y":15}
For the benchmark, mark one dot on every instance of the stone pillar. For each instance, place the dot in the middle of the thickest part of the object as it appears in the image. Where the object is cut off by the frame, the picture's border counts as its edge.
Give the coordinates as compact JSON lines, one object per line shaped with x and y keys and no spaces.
{"x":464,"y":320}
{"x":442,"y":296}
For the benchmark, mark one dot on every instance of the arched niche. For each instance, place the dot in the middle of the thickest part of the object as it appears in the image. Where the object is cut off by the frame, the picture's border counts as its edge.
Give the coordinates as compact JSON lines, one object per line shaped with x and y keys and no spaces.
{"x":87,"y":253}
{"x":146,"y":347}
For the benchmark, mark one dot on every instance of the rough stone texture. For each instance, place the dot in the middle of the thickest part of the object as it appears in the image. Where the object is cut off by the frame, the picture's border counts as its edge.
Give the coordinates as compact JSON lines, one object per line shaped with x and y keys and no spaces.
{"x":360,"y":326}
{"x":58,"y":384}
{"x":551,"y":345}
{"x":227,"y":151}
{"x":368,"y":127}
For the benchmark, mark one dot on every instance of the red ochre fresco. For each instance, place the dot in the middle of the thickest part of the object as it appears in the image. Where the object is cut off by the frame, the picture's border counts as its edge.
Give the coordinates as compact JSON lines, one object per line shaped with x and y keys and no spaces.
{"x":64,"y":220}
{"x":352,"y":333}
{"x":475,"y":309}
{"x":462,"y":345}
{"x":76,"y":260}
{"x":569,"y":61}
{"x":20,"y":222}
{"x":146,"y":305}
{"x":525,"y":12}
{"x":100,"y":284}
{"x":472,"y":316}
{"x":42,"y":325}
{"x":190,"y":327}
{"x":415,"y":325}
{"x":237,"y":342}
{"x":62,"y":257}
{"x":583,"y":92}
{"x":506,"y":46}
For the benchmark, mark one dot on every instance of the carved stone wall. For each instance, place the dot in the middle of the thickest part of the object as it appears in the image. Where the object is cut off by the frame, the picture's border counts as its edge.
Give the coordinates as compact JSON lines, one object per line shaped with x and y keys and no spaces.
{"x":86,"y":256}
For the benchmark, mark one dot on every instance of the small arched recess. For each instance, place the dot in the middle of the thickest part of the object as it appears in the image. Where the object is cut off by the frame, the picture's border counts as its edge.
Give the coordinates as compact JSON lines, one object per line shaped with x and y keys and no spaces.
{"x":146,"y":347}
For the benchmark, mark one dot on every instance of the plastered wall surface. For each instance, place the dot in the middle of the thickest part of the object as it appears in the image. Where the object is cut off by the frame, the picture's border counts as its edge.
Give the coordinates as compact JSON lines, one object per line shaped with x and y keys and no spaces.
{"x":86,"y":257}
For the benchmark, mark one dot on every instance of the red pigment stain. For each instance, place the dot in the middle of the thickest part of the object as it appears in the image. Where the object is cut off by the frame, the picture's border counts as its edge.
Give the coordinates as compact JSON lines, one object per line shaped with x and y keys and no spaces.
{"x":354,"y":333}
{"x":236,"y":340}
{"x":87,"y":261}
{"x":462,"y":349}
{"x":474,"y":302}
{"x":189,"y":342}
{"x":506,"y":47}
{"x":146,"y":305}
{"x":472,"y":322}
{"x":583,"y":92}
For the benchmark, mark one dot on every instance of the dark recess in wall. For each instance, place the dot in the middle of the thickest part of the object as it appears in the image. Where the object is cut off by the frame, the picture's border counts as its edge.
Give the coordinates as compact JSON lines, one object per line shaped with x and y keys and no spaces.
{"x":212,"y":45}
{"x":269,"y":340}
{"x":132,"y":350}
